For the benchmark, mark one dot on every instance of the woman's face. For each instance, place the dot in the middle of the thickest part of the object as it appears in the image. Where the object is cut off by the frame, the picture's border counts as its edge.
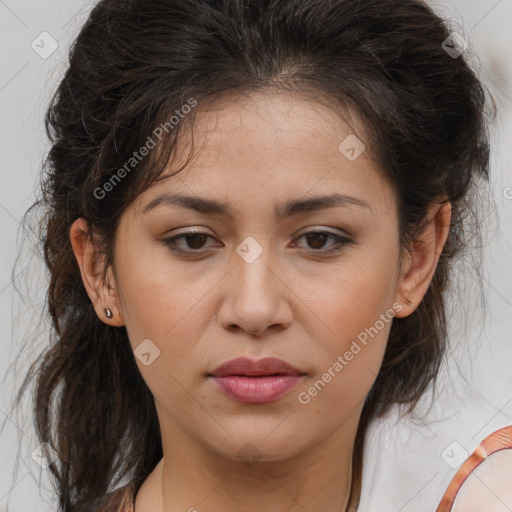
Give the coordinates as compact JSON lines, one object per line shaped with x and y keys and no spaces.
{"x":253,"y":285}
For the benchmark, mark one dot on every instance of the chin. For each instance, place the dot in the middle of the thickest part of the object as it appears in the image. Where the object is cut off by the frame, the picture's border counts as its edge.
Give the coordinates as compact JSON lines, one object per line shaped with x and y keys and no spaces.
{"x":270,"y":444}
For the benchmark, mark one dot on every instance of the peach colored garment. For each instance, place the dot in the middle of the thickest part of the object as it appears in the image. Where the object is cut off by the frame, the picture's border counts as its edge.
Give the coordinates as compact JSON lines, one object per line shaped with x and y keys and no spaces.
{"x":499,"y":440}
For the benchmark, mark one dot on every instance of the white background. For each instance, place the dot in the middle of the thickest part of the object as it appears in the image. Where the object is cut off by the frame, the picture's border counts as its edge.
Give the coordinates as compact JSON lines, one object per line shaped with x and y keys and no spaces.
{"x":476,"y":398}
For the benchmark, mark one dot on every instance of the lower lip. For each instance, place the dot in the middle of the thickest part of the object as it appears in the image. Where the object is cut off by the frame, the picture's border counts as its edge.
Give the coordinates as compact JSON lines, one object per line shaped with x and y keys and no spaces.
{"x":256,"y":390}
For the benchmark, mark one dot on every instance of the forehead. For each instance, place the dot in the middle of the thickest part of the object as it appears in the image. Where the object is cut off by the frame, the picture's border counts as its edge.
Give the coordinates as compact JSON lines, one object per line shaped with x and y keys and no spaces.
{"x":274,"y":120}
{"x":280,"y":145}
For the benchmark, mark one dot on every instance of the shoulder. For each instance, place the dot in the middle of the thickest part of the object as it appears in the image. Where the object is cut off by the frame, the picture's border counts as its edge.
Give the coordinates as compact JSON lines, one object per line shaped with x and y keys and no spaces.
{"x":119,"y":500}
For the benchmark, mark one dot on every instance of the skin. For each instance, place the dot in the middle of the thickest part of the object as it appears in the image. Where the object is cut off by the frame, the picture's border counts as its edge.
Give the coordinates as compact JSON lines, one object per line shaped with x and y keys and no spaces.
{"x":292,"y":302}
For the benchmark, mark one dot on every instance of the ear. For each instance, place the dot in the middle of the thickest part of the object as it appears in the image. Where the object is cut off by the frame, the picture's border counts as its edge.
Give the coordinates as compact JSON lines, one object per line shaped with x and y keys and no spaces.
{"x":91,"y":262}
{"x":421,"y":260}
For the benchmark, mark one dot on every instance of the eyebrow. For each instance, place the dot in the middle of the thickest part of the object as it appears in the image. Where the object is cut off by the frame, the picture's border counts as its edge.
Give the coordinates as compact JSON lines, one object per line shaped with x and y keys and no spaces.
{"x":294,"y":207}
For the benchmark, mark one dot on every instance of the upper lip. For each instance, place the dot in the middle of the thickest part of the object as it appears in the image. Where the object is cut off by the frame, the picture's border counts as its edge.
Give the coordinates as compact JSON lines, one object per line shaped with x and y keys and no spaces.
{"x":247,"y":367}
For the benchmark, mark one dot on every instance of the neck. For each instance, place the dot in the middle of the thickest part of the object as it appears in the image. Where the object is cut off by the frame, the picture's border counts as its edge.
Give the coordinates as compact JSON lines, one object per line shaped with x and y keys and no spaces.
{"x":319,"y":479}
{"x":192,"y":476}
{"x":248,"y":489}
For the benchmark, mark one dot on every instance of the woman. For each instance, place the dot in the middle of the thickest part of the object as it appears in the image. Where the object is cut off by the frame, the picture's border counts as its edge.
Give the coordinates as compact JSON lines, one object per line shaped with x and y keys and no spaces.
{"x":254,"y":207}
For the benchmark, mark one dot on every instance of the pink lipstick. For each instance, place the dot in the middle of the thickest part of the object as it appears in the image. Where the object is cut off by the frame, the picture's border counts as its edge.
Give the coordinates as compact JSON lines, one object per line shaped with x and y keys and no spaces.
{"x":256,"y":382}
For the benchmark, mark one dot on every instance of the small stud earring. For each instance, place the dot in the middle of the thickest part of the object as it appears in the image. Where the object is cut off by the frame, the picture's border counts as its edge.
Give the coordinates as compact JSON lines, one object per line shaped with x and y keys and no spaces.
{"x":108,"y":313}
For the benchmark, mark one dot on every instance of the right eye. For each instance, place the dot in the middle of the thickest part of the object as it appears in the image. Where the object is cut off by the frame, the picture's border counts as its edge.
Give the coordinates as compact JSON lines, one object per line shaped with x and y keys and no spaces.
{"x":193,"y":239}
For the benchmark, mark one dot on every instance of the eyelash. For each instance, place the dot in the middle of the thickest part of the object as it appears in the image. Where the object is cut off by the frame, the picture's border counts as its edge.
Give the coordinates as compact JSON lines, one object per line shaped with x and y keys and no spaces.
{"x":341,"y":242}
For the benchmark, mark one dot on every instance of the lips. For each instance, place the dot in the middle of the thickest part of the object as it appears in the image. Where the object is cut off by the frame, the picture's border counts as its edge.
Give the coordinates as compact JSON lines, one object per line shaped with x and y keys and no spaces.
{"x":242,"y":366}
{"x":256,"y":382}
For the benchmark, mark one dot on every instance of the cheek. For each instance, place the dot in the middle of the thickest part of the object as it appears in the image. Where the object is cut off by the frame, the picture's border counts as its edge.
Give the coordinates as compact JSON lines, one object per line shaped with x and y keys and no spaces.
{"x":349,"y":360}
{"x":354,"y":306}
{"x":353,"y":295}
{"x":154,"y":295}
{"x":166,"y":305}
{"x":163,"y":320}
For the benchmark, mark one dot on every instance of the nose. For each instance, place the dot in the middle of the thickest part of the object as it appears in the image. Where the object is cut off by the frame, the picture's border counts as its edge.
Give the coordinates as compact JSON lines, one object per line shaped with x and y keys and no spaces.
{"x":256,"y":298}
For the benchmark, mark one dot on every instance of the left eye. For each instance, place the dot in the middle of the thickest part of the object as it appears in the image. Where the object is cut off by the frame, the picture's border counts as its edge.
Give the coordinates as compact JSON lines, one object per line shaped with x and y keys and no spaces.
{"x":195,"y":239}
{"x":318,"y":239}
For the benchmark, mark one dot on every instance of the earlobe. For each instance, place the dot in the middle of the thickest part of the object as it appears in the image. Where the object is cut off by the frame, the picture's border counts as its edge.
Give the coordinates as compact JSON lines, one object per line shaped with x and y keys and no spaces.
{"x":422,"y":259}
{"x":91,"y":263}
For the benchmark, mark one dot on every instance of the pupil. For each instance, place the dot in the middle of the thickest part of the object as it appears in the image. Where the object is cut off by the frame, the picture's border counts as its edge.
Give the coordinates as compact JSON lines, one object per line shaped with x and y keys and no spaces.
{"x":315,"y":237}
{"x":195,"y":237}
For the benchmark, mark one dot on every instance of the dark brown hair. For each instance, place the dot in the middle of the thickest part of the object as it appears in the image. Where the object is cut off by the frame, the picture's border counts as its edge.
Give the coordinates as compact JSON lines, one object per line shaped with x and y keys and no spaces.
{"x":132,"y":66}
